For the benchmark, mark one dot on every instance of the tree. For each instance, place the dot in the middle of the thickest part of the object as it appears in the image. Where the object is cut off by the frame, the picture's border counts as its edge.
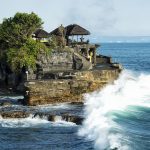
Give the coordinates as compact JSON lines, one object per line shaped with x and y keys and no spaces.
{"x":18,"y":49}
{"x":26,"y":56}
{"x":15,"y":31}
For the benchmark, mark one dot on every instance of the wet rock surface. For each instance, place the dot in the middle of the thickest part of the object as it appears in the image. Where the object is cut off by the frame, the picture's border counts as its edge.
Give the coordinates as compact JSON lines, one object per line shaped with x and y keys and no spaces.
{"x":40,"y":92}
{"x":14,"y":114}
{"x":63,"y":112}
{"x":62,"y":99}
{"x":61,"y":117}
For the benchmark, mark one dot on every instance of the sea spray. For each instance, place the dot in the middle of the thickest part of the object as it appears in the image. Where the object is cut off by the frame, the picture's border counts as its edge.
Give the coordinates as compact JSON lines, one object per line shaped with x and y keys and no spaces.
{"x":129,"y":90}
{"x":22,"y":122}
{"x":33,"y":121}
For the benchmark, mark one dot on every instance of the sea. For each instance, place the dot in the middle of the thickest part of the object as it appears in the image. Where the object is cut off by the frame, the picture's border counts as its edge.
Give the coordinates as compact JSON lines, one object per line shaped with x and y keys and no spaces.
{"x":116,"y":118}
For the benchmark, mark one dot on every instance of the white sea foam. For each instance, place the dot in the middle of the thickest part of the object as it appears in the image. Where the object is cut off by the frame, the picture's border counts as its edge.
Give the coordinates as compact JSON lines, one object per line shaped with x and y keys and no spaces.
{"x":58,"y":121}
{"x":33,"y":122}
{"x":22,"y":122}
{"x":63,"y":123}
{"x":11,"y":97}
{"x":130,"y":89}
{"x":53,"y":106}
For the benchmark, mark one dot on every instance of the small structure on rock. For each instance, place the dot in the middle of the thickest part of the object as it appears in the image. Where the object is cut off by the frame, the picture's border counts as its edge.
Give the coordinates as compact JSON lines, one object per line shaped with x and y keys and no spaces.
{"x":76,"y":30}
{"x":40,"y":35}
{"x":60,"y":34}
{"x":84,"y":48}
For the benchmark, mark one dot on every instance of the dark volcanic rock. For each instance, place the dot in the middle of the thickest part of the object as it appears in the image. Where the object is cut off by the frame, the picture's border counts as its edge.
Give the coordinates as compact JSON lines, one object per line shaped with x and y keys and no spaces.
{"x":65,"y":117}
{"x":5,"y":104}
{"x":75,"y":119}
{"x":19,"y":111}
{"x":14,"y":114}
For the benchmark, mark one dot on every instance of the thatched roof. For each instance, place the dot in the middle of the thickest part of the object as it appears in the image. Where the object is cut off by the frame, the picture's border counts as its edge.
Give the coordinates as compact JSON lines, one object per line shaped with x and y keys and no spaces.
{"x":75,"y":29}
{"x":59,"y":31}
{"x":40,"y":33}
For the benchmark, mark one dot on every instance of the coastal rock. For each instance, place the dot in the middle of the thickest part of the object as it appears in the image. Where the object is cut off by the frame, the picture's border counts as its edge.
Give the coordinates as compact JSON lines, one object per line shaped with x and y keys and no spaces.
{"x":48,"y":116}
{"x":5,"y":104}
{"x":61,"y":117}
{"x":14,"y":114}
{"x":41,"y":92}
{"x":75,"y":119}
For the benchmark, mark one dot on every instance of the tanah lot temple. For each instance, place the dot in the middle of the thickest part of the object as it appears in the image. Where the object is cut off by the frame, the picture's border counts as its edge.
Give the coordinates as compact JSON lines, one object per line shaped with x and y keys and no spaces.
{"x":71,"y":36}
{"x":72,"y":69}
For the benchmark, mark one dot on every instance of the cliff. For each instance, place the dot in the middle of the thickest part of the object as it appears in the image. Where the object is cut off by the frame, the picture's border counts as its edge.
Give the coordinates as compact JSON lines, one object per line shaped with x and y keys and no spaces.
{"x":40,"y":92}
{"x":63,"y":76}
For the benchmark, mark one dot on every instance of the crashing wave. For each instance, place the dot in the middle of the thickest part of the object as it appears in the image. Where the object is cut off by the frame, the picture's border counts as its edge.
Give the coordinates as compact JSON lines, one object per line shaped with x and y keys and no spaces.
{"x":129,"y":90}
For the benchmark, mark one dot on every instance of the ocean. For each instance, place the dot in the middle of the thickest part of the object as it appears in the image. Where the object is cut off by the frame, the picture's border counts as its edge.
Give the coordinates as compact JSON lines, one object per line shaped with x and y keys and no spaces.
{"x":118,"y":117}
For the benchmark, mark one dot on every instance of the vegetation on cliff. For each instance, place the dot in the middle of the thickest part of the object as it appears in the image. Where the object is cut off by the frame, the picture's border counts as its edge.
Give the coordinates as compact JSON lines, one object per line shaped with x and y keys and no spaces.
{"x":25,"y":55}
{"x":17,"y":47}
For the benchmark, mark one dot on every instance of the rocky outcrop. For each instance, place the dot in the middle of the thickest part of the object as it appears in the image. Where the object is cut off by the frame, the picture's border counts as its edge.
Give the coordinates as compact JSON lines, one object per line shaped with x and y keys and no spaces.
{"x":80,"y":62}
{"x":62,"y":117}
{"x":14,"y":114}
{"x":47,"y":67}
{"x":40,"y":92}
{"x":63,"y":76}
{"x":59,"y":61}
{"x":56,"y":61}
{"x":48,"y":116}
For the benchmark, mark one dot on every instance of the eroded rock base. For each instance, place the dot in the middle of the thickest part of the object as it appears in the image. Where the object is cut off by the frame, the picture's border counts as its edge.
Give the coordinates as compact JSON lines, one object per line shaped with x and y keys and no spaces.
{"x":49,"y":91}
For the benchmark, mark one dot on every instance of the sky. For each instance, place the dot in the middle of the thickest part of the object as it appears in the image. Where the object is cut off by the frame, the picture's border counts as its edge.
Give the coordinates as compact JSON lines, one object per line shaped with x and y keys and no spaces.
{"x":100,"y":17}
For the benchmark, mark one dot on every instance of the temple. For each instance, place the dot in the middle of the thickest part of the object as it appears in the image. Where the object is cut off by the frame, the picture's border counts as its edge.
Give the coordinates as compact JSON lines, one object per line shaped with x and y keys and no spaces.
{"x":74,"y":52}
{"x":71,"y":36}
{"x":72,"y":67}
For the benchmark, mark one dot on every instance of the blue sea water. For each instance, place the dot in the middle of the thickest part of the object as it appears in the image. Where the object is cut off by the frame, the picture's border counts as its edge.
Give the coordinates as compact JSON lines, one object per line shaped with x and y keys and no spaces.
{"x":133,"y":56}
{"x":118,"y":117}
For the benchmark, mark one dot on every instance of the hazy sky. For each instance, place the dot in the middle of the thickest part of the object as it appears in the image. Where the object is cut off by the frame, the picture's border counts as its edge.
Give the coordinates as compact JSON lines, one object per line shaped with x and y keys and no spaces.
{"x":101,"y":17}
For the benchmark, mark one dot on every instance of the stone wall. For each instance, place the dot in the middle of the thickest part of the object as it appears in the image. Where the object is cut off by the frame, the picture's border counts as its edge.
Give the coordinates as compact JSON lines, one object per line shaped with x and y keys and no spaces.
{"x":100,"y":59}
{"x":57,"y":91}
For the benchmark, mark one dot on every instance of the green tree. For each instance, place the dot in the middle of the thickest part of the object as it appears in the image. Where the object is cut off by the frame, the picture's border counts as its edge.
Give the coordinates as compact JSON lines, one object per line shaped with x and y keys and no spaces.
{"x":26,"y":55}
{"x":18,"y":49}
{"x":15,"y":31}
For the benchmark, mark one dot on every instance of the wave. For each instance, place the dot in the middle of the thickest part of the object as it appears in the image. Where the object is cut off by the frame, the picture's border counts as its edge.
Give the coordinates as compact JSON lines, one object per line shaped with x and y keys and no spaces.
{"x":48,"y":107}
{"x":11,"y":97}
{"x":22,"y":122}
{"x":32,"y":121}
{"x":130,"y":89}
